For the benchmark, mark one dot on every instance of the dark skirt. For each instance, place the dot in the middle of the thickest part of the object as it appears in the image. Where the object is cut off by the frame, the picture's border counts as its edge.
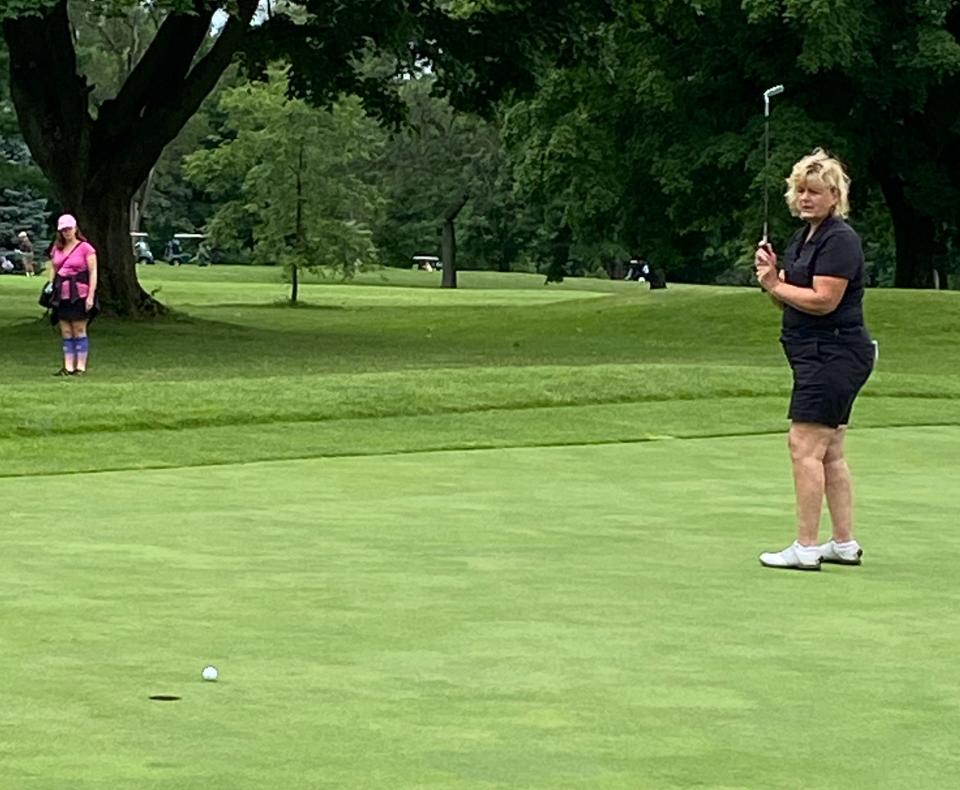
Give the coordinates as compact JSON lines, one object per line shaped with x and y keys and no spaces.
{"x":828,"y":372}
{"x":72,"y":311}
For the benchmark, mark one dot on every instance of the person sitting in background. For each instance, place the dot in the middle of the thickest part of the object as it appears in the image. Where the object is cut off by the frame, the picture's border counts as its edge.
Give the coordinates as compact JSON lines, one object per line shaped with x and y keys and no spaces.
{"x":174,"y":252}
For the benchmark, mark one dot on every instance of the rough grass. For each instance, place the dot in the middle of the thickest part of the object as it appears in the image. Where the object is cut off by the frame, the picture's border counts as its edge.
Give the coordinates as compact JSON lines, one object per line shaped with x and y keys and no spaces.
{"x":382,"y":348}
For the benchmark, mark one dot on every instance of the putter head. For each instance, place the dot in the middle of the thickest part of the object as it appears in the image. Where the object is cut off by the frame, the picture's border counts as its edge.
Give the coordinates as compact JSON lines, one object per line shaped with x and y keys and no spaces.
{"x":776,"y":90}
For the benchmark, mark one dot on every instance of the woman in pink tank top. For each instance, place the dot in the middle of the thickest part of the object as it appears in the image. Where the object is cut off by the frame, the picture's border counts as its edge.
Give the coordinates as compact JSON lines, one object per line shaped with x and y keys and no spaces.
{"x":74,"y":278}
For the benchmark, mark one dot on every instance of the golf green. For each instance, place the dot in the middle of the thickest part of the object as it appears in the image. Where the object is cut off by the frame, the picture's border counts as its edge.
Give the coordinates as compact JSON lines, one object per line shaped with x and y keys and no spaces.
{"x":541,"y":617}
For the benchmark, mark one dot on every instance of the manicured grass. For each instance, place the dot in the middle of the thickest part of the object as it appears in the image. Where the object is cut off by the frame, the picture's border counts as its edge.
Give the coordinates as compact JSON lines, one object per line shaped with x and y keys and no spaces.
{"x":558,"y":617}
{"x":501,"y":537}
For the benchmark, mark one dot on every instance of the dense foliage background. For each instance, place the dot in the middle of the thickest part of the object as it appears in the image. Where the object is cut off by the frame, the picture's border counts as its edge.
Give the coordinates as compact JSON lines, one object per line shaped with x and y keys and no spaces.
{"x":611,"y":130}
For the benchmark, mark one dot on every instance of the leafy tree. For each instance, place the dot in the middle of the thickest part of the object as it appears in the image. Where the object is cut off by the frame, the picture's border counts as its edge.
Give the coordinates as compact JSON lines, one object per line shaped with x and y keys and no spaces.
{"x":173,"y":203}
{"x":292,"y":174}
{"x":23,"y":196}
{"x":570,"y":175}
{"x":95,"y":163}
{"x":654,"y":144}
{"x":887,"y":75}
{"x":110,"y":40}
{"x":438,"y":157}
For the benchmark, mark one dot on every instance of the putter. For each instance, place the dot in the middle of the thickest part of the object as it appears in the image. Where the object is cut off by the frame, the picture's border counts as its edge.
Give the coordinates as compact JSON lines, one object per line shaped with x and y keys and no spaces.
{"x":776,"y":90}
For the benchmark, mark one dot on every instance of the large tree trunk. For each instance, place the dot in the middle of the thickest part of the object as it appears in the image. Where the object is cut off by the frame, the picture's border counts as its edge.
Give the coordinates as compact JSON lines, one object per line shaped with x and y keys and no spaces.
{"x":105,"y":219}
{"x":95,"y":166}
{"x":560,"y":255}
{"x":915,"y":236}
{"x":301,"y":236}
{"x":448,"y":244}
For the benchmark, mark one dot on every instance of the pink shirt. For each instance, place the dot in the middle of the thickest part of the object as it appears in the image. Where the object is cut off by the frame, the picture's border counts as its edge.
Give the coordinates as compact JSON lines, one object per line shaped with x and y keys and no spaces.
{"x":72,"y":263}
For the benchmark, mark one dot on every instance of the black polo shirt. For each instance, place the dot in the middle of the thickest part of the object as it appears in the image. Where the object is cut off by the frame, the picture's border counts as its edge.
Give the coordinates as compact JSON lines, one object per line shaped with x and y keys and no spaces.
{"x":834,"y":250}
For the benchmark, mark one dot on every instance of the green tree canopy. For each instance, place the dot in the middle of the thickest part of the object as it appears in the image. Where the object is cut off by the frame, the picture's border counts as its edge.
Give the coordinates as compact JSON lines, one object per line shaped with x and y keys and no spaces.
{"x":655,"y":142}
{"x":432,"y":161}
{"x":23,"y":189}
{"x":289,"y":177}
{"x":96,"y":161}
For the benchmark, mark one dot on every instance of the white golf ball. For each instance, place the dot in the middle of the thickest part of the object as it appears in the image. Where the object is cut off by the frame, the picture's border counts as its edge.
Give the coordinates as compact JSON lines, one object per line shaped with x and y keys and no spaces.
{"x":209,"y":673}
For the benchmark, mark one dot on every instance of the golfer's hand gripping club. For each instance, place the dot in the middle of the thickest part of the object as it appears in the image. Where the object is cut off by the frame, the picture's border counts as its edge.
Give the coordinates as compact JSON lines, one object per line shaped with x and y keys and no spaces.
{"x":765,"y":265}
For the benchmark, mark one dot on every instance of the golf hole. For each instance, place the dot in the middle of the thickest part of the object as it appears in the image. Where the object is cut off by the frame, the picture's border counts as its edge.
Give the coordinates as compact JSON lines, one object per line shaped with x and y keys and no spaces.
{"x":164,"y":697}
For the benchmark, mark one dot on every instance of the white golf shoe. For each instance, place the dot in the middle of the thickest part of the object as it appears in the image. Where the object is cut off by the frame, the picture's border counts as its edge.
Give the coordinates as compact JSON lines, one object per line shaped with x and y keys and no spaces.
{"x":848,"y":553}
{"x":794,"y":557}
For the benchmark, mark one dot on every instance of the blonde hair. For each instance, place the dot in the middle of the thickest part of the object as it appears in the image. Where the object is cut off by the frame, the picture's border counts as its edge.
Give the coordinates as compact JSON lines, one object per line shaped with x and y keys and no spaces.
{"x":820,"y":167}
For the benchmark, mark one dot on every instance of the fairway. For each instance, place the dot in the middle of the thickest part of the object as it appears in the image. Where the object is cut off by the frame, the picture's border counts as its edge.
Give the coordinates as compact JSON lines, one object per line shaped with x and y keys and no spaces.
{"x":504,"y":537}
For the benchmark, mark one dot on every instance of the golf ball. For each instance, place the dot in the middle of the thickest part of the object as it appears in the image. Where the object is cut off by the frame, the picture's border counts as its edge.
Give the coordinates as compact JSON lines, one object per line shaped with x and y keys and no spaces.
{"x":209,"y":673}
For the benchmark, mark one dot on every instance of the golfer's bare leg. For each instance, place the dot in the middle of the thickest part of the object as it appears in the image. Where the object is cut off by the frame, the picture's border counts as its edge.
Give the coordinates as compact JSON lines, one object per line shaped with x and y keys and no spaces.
{"x":838,"y":487}
{"x":66,"y":332}
{"x":808,"y":446}
{"x":80,"y":330}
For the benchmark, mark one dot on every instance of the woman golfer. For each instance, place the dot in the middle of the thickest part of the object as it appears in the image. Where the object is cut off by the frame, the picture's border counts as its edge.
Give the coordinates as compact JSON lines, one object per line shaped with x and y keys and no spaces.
{"x":820,"y":288}
{"x":74,"y":277}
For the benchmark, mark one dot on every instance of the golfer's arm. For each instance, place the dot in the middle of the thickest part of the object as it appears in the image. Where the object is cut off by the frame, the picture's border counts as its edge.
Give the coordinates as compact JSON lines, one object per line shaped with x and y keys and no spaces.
{"x":92,"y":266}
{"x":773,"y":298}
{"x":821,"y":299}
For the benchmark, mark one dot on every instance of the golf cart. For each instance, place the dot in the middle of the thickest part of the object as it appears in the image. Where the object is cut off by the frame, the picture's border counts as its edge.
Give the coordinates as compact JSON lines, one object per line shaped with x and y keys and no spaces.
{"x":176,"y":254}
{"x":638,"y":270}
{"x":141,"y":249}
{"x":426,"y":263}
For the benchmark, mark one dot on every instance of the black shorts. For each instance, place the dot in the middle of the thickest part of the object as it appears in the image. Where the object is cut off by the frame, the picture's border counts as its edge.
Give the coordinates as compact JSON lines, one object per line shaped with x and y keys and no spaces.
{"x":828,"y":371}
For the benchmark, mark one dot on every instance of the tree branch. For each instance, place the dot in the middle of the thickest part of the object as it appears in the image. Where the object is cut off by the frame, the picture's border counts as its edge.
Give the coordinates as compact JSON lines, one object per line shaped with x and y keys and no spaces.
{"x":451,"y":213}
{"x":170,"y":116}
{"x":158,"y":115}
{"x":157,"y":74}
{"x":50,"y":96}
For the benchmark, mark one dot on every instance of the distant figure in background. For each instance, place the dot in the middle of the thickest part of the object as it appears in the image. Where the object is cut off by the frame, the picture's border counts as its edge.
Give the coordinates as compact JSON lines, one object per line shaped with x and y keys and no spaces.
{"x":203,"y":256}
{"x":639,"y":270}
{"x":174,"y":252}
{"x":657,"y":279}
{"x":26,"y":253}
{"x":141,"y":251}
